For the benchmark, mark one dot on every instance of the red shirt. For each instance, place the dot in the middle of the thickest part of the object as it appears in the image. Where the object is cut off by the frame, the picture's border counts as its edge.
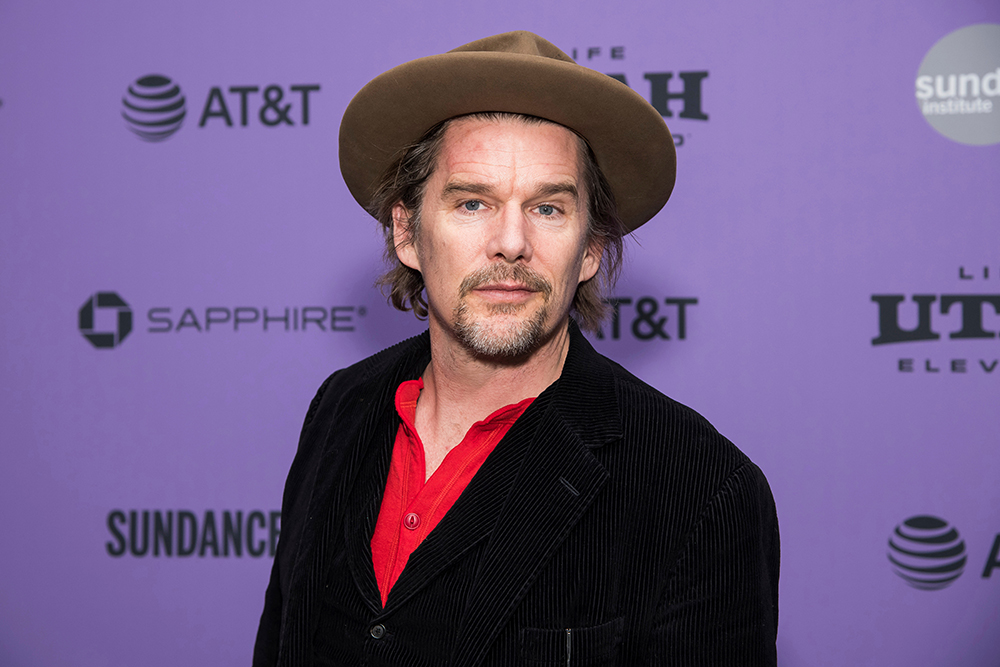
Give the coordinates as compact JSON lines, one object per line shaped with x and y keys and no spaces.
{"x":410,"y":507}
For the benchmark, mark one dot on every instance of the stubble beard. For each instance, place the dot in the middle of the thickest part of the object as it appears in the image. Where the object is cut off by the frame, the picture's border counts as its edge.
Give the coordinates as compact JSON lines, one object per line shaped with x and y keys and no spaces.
{"x":501,"y":334}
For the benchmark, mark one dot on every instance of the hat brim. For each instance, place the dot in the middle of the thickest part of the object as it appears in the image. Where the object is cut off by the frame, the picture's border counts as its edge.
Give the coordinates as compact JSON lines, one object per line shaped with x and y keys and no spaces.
{"x":630,"y":140}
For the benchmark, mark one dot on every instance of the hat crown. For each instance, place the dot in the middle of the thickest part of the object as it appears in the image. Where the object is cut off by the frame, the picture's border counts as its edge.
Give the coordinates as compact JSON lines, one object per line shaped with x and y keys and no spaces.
{"x":520,"y":42}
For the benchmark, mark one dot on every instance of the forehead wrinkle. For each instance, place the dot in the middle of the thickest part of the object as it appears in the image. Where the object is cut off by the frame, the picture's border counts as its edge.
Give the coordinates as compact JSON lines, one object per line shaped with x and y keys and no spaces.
{"x":514,"y":158}
{"x":541,"y":174}
{"x":486,"y":165}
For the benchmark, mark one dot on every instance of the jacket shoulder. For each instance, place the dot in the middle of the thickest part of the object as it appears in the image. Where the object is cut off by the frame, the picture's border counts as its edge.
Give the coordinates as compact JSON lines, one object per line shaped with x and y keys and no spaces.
{"x":353,"y":386}
{"x":673,"y":438}
{"x":343,"y":403}
{"x":683,"y":469}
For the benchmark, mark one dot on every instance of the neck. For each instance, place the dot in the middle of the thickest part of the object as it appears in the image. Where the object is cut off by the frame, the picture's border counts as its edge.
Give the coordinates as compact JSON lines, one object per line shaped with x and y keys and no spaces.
{"x":459,"y":384}
{"x":461,"y":388}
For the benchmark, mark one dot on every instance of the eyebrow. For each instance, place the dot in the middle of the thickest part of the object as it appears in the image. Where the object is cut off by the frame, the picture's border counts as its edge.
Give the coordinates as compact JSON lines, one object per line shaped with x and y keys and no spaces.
{"x":553,"y":189}
{"x":547,"y":190}
{"x":466,"y":188}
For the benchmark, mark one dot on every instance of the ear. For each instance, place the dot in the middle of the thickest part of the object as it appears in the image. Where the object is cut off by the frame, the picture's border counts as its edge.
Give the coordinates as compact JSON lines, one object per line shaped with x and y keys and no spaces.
{"x":402,"y":236}
{"x":591,"y":259}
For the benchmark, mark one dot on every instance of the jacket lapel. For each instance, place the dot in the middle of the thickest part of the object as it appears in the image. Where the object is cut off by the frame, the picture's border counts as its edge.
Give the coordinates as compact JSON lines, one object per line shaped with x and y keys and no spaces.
{"x":558,"y":480}
{"x":362,"y":511}
{"x":364,"y":503}
{"x":474,"y":515}
{"x":351,"y":441}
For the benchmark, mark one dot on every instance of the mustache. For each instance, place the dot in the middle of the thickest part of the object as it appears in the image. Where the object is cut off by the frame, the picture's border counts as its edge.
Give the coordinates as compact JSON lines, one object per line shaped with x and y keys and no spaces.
{"x":506,"y":273}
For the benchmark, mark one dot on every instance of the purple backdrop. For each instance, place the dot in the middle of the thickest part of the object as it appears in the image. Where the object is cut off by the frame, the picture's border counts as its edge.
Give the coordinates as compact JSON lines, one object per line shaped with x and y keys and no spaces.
{"x":171,"y":306}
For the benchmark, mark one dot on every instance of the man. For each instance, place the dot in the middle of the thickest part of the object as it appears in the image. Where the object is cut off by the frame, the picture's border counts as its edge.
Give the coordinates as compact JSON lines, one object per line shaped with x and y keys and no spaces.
{"x":494,"y":492}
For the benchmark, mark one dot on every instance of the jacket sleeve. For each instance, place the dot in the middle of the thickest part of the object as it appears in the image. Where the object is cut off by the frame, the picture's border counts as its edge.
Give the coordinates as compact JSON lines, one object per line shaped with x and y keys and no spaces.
{"x":720,"y":604}
{"x":265,"y":650}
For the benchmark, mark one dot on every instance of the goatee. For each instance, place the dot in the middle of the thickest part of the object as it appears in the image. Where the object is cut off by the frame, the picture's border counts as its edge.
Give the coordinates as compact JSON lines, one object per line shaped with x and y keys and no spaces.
{"x":497,"y":335}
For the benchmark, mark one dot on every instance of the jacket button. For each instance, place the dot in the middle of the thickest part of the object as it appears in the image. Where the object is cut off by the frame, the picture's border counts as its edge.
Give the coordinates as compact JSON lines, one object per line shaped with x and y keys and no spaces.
{"x":411,"y":521}
{"x":377,"y":631}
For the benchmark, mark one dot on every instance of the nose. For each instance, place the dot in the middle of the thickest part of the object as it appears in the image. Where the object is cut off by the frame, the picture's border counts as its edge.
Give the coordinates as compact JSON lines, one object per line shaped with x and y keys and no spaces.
{"x":509,"y":236}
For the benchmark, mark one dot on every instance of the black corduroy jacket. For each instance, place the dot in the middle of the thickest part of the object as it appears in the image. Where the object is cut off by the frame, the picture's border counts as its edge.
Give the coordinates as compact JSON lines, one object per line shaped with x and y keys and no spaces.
{"x":610,"y":526}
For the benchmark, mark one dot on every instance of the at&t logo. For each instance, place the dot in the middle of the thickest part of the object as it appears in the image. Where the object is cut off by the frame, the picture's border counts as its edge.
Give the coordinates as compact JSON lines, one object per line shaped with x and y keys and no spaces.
{"x":111,"y":303}
{"x":153,"y":107}
{"x":929,"y":554}
{"x":642,"y":318}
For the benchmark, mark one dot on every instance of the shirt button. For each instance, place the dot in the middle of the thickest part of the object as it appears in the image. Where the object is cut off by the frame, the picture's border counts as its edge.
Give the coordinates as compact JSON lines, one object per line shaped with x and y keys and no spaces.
{"x":411,"y":521}
{"x":377,"y":631}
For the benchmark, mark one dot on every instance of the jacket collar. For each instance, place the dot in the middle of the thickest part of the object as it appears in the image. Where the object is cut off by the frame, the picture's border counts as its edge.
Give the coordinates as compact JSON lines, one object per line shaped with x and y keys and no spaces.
{"x":584,"y":395}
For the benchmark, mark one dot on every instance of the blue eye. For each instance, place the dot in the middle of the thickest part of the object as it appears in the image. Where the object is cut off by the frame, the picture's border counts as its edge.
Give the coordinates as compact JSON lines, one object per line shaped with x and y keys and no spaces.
{"x":473,"y":205}
{"x":547,"y":209}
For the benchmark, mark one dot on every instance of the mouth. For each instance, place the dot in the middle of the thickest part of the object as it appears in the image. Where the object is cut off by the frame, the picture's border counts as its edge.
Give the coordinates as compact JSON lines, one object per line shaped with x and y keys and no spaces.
{"x":505,"y":292}
{"x":505,"y":287}
{"x":506,"y":284}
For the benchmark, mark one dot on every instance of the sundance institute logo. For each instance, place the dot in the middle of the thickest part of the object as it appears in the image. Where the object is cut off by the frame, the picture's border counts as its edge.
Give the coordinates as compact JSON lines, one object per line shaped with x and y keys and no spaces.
{"x":958,"y":85}
{"x":116,"y":314}
{"x":153,"y":107}
{"x":927,"y":553}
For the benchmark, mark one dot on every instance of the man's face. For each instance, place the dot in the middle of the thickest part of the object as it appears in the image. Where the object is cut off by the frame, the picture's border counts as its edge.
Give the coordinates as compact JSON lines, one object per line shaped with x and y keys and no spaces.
{"x":502,"y":239}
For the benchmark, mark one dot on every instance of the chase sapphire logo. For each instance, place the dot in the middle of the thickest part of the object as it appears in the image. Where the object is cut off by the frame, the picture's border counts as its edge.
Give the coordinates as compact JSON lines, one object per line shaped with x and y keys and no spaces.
{"x":927,"y":552}
{"x":153,"y":107}
{"x":120,"y":319}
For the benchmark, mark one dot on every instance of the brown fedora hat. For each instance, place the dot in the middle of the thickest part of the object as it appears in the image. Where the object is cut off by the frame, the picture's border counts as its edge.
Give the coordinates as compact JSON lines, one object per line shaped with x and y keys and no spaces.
{"x":516,"y":72}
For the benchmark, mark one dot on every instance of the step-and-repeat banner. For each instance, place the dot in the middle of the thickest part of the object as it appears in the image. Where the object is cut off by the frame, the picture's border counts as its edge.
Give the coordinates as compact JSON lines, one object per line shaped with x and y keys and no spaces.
{"x":181,"y":265}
